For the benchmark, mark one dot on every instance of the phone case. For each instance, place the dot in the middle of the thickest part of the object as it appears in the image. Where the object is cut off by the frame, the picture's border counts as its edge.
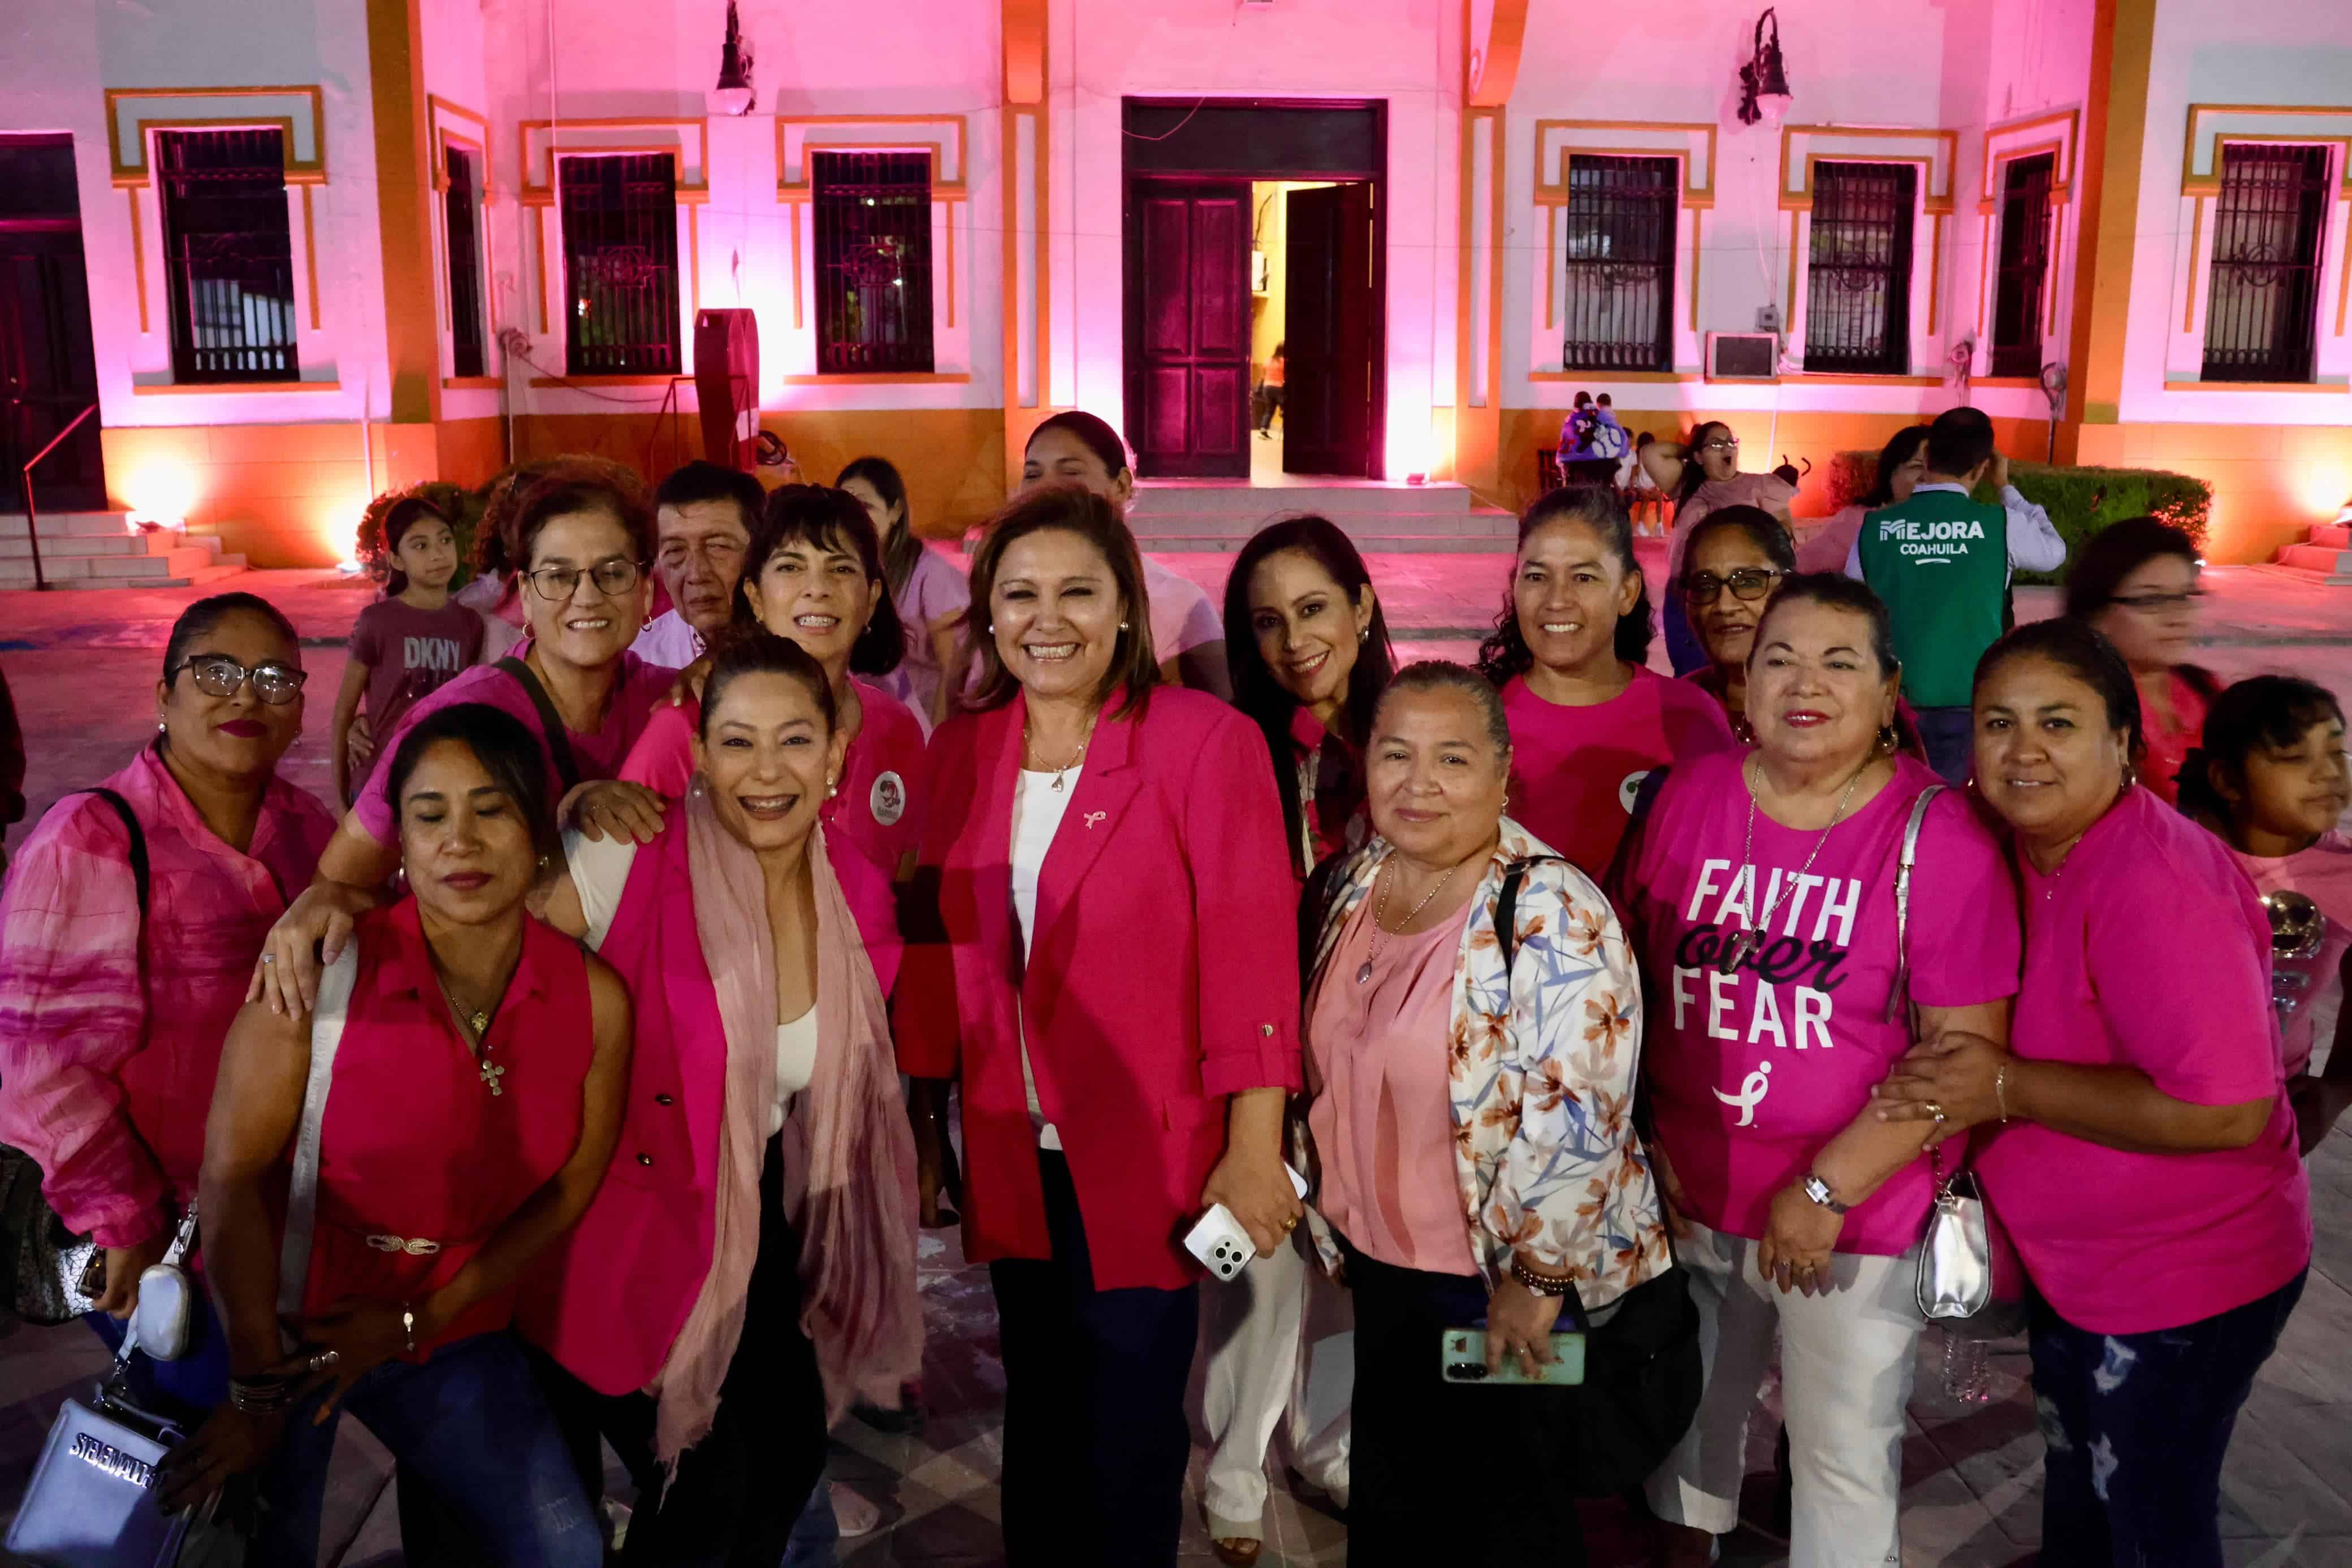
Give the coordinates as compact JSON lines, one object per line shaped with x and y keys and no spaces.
{"x":1461,"y":1358}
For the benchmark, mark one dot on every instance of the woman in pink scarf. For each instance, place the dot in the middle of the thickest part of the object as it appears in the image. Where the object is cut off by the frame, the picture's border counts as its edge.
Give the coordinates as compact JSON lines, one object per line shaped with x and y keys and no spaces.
{"x":748,"y":1268}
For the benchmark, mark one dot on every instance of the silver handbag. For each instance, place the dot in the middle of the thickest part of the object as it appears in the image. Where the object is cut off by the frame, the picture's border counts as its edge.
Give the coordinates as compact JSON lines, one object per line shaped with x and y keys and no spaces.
{"x":1955,"y":1254}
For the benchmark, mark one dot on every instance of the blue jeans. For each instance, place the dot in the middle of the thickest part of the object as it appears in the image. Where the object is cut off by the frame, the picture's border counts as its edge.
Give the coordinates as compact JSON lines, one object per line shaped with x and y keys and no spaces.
{"x":1950,"y":734}
{"x":471,"y":1422}
{"x":814,"y":1533}
{"x":186,"y":1390}
{"x":2137,"y":1425}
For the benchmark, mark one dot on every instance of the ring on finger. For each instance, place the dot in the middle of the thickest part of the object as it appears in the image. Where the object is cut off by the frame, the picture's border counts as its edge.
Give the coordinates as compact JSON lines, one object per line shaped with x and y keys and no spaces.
{"x":1935,"y":1109}
{"x":326,"y":1361}
{"x":270,"y":958}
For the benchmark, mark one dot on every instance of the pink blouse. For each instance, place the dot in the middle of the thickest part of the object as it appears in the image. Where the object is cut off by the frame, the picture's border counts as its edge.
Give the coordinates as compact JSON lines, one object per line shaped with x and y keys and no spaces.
{"x":110,"y":1036}
{"x":1382,"y":1113}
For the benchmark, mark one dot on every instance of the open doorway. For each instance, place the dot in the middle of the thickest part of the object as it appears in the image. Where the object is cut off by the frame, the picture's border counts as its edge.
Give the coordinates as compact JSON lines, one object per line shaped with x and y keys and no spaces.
{"x":48,"y":374}
{"x":1251,"y":226}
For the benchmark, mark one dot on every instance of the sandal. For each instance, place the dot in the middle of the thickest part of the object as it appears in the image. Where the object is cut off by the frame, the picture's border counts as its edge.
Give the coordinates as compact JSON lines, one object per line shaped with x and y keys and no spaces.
{"x":1240,"y":1551}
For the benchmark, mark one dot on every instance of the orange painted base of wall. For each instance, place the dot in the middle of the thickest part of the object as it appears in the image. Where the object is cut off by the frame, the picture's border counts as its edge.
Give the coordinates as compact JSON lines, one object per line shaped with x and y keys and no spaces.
{"x":2271,"y":482}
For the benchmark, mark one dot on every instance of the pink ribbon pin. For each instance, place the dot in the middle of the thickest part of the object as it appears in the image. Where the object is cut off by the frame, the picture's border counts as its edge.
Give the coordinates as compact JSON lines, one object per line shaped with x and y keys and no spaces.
{"x":1094,"y":817}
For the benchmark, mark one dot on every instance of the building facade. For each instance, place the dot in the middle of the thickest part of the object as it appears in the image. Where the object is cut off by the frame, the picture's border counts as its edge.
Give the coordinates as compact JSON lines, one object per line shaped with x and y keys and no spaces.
{"x":323,"y":246}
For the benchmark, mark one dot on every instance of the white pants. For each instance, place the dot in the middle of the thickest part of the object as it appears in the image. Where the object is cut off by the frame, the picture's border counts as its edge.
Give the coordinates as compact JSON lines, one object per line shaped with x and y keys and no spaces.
{"x":1276,"y":1342}
{"x":1846,"y":1363}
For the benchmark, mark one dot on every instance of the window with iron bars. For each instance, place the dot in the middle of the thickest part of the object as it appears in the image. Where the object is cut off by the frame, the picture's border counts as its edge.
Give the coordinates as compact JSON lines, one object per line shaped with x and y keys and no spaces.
{"x":461,"y":210}
{"x":2262,"y":317}
{"x":620,"y":265}
{"x":1858,"y":277}
{"x":2022,"y":284}
{"x":873,"y":222}
{"x":1622,"y":213}
{"x":228,"y":255}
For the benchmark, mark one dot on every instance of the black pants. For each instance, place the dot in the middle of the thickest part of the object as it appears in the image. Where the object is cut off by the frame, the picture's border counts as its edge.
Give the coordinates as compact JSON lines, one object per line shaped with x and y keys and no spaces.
{"x":1269,"y":398}
{"x":738,"y":1490}
{"x":1094,"y":1437}
{"x":1405,"y":1502}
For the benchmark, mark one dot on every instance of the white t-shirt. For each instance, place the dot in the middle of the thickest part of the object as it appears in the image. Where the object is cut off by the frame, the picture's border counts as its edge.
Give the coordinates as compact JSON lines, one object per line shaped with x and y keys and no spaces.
{"x":1181,"y":616}
{"x":600,"y":872}
{"x":669,"y":641}
{"x":1037,"y":809}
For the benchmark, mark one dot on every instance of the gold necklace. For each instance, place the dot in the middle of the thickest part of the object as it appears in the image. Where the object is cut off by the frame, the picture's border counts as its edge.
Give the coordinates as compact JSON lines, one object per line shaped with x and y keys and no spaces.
{"x":1029,"y":739}
{"x":1379,"y":918}
{"x":475,"y":1023}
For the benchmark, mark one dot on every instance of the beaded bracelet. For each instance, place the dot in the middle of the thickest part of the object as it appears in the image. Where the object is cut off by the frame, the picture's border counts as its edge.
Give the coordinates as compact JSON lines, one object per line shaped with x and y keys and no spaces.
{"x":1541,"y":1284}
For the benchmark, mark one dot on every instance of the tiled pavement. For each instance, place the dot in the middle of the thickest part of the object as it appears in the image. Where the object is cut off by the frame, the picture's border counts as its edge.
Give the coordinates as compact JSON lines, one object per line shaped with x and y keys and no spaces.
{"x":80,"y":665}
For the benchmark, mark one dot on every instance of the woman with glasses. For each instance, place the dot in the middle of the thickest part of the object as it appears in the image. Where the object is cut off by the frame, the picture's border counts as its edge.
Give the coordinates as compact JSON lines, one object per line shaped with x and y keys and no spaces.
{"x":1702,"y":475}
{"x":1732,"y":561}
{"x":581,"y":540}
{"x":127,"y":932}
{"x":2134,"y":582}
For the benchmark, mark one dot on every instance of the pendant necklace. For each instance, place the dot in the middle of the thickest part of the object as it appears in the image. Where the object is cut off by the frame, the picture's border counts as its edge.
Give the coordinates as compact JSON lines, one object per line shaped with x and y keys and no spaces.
{"x":1379,"y":919}
{"x":1738,"y":947}
{"x":1028,"y":739}
{"x":474,"y":1022}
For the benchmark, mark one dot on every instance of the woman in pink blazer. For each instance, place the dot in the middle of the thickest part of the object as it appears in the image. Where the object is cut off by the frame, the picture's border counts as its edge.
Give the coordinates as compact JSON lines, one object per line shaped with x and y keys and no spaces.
{"x":1108,"y":981}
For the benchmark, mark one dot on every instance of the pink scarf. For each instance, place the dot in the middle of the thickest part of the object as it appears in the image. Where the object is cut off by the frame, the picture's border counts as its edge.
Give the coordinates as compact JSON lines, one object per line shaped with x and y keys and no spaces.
{"x":849,"y":1156}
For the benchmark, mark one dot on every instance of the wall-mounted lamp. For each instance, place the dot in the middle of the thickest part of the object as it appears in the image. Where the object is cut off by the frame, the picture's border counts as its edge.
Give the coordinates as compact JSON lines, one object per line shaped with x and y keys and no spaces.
{"x":1764,"y":80}
{"x":734,"y":90}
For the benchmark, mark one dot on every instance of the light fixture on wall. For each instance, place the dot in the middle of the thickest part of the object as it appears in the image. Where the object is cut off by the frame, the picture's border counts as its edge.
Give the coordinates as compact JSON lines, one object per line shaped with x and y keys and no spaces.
{"x":734,"y":90}
{"x":1764,"y":80}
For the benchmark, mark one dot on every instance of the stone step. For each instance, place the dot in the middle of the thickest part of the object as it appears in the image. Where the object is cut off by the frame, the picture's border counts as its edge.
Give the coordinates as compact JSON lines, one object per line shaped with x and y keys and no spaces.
{"x":1216,"y":498}
{"x":2332,"y":563}
{"x":183,"y":564}
{"x":118,"y":544}
{"x":68,"y":525}
{"x":2334,"y":536}
{"x":1483,"y":524}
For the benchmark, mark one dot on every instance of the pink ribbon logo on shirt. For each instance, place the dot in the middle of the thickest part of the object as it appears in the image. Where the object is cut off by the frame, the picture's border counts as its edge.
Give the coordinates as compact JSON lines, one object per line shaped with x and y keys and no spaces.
{"x":1094,"y":817}
{"x":1752,"y":1090}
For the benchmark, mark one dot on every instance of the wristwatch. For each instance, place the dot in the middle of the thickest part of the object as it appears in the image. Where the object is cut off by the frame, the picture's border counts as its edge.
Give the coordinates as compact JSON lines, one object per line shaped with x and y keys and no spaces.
{"x":1818,"y":1190}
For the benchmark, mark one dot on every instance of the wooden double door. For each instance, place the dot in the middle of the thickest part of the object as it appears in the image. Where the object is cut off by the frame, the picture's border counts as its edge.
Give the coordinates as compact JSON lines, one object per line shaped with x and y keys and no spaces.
{"x":48,"y":374}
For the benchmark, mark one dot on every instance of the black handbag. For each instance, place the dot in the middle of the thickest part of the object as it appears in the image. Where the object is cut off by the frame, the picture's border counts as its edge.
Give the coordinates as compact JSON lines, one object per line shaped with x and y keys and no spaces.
{"x":46,"y":1270}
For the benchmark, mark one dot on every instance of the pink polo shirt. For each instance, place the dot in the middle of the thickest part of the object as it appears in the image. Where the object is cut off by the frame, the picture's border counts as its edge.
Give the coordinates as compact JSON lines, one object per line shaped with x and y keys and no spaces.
{"x":2324,"y":874}
{"x":638,"y":691}
{"x":111,"y":1031}
{"x":1574,"y":769}
{"x":1752,"y":1071}
{"x":2148,"y":949}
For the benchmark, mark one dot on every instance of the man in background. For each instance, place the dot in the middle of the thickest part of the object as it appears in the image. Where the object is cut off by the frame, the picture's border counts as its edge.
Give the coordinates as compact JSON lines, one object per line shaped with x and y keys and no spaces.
{"x":704,"y":514}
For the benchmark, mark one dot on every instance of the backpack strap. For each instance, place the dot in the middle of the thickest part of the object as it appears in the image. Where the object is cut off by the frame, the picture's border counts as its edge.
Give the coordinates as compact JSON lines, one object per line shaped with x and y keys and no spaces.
{"x":139,"y":872}
{"x":1910,"y":856}
{"x":551,"y":722}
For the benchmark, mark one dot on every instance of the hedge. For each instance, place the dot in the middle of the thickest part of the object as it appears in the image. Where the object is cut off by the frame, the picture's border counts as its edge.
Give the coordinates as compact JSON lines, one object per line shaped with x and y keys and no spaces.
{"x":2080,"y":501}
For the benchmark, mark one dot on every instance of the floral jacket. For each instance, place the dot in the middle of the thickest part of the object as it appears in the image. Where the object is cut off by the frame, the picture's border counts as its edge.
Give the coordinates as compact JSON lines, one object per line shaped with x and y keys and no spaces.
{"x":1543,"y":1063}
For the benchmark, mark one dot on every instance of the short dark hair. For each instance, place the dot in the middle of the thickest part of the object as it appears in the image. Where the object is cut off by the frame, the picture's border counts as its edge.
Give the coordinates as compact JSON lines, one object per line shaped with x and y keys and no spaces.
{"x":701,"y":481}
{"x":567,"y":488}
{"x":758,"y":653}
{"x":2262,"y":711}
{"x":1899,"y":450}
{"x":2079,"y":650}
{"x":514,"y":757}
{"x":1091,"y":430}
{"x":1255,"y":691}
{"x":2113,"y":554}
{"x":902,"y":550}
{"x":827,"y":519}
{"x":502,"y":495}
{"x":1071,"y":509}
{"x":1762,"y":527}
{"x":199,"y":621}
{"x":1445,"y":676}
{"x":1835,"y":590}
{"x":1505,"y":652}
{"x":1958,"y":440}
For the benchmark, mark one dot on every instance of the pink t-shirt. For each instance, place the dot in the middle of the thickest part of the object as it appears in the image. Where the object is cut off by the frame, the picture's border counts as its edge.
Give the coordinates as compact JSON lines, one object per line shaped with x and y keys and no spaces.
{"x":1382,"y":1113}
{"x":637,"y":693}
{"x":2324,"y":874}
{"x":1751,"y":1072}
{"x":1574,"y":769}
{"x":2147,"y":949}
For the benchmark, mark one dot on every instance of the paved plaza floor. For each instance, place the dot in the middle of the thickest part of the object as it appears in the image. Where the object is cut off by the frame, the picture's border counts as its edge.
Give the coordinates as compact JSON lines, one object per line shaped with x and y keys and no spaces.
{"x":82,"y":668}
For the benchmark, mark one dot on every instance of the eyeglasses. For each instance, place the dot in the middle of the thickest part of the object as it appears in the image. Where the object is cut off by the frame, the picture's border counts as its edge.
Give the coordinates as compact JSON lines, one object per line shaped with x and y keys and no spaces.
{"x":218,"y":675}
{"x":2156,"y":603}
{"x":1750,"y":582}
{"x":1720,"y":445}
{"x":557,"y":583}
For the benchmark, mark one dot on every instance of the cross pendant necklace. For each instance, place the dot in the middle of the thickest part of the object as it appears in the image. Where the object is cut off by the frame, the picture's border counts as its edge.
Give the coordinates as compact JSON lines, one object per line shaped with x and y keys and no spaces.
{"x":474,"y":1022}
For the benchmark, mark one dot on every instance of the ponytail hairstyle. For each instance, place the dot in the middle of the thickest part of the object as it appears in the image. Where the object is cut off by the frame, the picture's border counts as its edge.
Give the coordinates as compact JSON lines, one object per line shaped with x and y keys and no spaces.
{"x":1692,"y":474}
{"x":2077,"y":648}
{"x":1504,"y":652}
{"x":387,"y":519}
{"x":2264,"y":712}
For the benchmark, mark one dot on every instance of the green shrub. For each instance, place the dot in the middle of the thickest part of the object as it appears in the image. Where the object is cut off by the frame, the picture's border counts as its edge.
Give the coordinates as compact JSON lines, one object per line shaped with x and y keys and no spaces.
{"x":462,"y":507}
{"x":2080,"y":501}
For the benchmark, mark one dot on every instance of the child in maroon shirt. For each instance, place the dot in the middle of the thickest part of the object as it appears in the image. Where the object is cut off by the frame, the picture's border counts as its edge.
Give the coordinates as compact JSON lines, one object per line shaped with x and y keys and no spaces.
{"x":408,"y":643}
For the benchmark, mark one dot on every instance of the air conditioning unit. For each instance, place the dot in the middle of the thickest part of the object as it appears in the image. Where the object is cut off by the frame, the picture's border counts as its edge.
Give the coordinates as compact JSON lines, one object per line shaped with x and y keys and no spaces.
{"x":1743,"y":356}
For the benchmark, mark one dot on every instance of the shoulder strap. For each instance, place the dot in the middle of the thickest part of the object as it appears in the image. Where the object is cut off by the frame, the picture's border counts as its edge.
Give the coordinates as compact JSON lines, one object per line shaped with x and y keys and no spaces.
{"x":1910,"y":856}
{"x":121,"y":809}
{"x":1506,"y":903}
{"x":1315,"y":908}
{"x":551,"y":722}
{"x":327,"y":1020}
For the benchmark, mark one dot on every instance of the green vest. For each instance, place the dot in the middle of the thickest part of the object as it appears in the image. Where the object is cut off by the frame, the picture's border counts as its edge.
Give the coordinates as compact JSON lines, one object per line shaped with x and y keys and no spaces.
{"x":1941,"y":563}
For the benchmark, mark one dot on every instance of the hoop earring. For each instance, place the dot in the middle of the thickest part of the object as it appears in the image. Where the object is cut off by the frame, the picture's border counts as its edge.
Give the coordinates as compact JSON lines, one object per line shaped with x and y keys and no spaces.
{"x":1887,"y":740}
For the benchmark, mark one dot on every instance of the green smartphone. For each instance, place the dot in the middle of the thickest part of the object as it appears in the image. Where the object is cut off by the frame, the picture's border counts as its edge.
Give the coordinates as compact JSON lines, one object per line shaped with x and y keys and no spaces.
{"x":1461,"y":1358}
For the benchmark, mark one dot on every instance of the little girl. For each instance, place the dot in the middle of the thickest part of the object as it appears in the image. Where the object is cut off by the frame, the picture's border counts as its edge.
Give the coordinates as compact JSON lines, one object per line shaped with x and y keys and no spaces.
{"x":410,"y":641}
{"x":2272,"y":779}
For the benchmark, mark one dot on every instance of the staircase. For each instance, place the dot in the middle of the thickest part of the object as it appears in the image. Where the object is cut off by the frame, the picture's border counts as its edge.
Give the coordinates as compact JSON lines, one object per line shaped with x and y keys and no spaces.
{"x":1380,"y":515}
{"x":98,"y":550}
{"x":2324,"y":556}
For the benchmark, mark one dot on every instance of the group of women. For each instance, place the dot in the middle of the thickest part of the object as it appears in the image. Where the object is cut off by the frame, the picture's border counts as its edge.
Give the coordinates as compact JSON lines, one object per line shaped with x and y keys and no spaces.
{"x":581,"y":1035}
